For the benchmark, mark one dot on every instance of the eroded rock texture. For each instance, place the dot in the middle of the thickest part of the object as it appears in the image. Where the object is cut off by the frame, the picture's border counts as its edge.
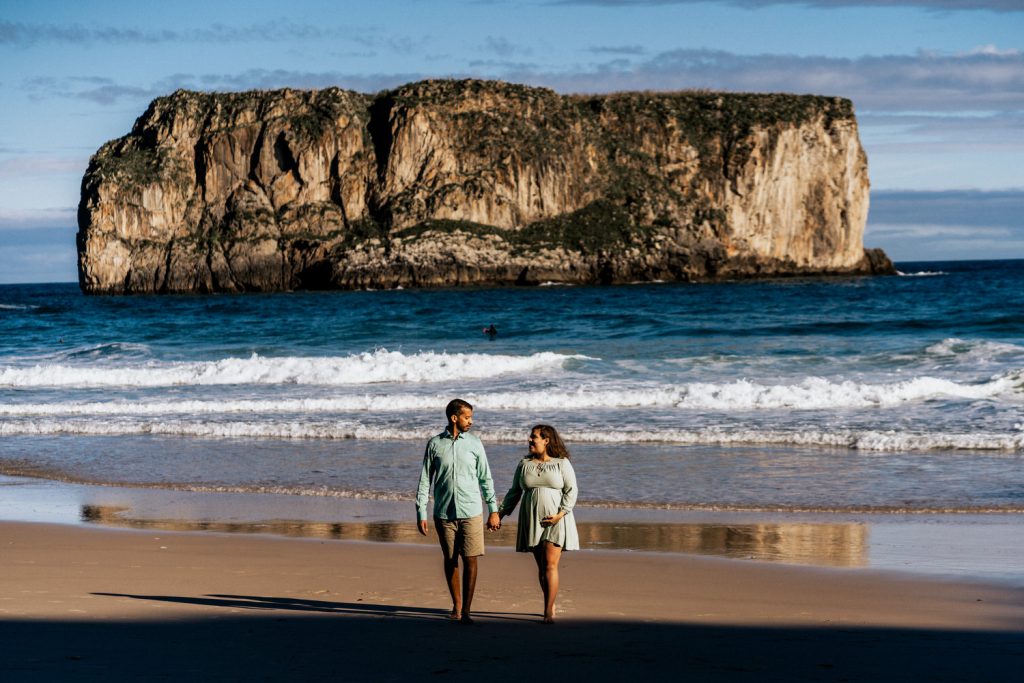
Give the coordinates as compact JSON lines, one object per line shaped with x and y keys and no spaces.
{"x":443,"y":183}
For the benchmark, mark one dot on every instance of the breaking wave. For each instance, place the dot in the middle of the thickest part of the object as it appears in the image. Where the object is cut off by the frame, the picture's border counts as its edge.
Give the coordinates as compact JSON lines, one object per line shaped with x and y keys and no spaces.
{"x":813,"y":393}
{"x":365,"y":368}
{"x":860,"y":440}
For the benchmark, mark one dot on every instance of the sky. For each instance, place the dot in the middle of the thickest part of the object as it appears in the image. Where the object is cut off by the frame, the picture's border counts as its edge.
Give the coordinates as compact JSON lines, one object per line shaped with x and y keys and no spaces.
{"x":938,"y":87}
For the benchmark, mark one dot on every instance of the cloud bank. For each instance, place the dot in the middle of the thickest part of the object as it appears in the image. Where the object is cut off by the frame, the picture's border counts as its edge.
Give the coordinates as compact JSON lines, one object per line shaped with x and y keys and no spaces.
{"x":948,"y":225}
{"x":979,"y":80}
{"x":283,"y":30}
{"x":985,"y":79}
{"x":931,"y":5}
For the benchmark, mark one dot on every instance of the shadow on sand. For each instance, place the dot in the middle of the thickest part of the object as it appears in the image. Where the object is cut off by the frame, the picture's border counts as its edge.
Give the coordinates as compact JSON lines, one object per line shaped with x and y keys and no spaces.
{"x":297,"y":639}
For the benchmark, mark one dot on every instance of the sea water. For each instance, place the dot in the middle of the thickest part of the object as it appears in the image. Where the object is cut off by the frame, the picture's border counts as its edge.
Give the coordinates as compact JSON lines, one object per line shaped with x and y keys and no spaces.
{"x":899,"y":394}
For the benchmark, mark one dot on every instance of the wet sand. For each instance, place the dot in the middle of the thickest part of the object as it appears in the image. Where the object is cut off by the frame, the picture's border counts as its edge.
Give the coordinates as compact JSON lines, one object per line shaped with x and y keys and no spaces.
{"x":92,"y":604}
{"x":988,"y":547}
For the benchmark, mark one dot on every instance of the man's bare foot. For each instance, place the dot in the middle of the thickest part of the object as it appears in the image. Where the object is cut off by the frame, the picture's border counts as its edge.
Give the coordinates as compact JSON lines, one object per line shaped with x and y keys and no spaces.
{"x":548,"y":619}
{"x":454,"y":615}
{"x":466,"y":619}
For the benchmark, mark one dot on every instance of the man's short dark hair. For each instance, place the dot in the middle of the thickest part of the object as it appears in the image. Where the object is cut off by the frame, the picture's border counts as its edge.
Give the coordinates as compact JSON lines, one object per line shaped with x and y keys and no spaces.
{"x":455,"y":407}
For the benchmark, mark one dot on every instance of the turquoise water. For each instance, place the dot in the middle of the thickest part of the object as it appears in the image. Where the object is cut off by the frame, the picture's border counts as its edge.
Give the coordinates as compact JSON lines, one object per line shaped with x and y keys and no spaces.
{"x":891,"y":393}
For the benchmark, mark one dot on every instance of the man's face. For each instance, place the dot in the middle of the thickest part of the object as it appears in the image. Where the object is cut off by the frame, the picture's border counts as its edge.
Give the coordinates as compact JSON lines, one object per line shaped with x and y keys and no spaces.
{"x":463,"y":421}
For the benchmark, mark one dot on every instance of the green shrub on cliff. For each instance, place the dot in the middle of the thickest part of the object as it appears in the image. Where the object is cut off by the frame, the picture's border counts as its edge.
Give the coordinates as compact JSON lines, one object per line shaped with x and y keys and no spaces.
{"x":137,"y":167}
{"x":599,"y":225}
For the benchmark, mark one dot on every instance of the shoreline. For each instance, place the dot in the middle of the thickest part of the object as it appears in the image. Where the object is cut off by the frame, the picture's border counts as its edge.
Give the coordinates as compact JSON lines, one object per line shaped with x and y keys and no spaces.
{"x":973,"y":547}
{"x":101,"y":604}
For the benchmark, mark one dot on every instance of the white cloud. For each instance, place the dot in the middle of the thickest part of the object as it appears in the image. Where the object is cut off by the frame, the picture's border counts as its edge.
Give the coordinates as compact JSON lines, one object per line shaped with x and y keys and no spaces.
{"x":986,"y":79}
{"x":18,"y":167}
{"x":921,"y":82}
{"x":37,"y":219}
{"x":993,"y":51}
{"x":280,"y":30}
{"x":925,"y":230}
{"x":951,"y":225}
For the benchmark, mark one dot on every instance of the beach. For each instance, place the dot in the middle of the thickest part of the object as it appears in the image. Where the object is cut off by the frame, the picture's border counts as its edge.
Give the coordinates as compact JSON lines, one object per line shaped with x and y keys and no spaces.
{"x":97,"y":604}
{"x":795,"y":480}
{"x":114,"y":582}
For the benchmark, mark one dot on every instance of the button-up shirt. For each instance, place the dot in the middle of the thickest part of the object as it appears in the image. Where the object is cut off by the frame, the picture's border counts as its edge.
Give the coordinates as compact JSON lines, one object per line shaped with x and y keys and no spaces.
{"x":458,"y":469}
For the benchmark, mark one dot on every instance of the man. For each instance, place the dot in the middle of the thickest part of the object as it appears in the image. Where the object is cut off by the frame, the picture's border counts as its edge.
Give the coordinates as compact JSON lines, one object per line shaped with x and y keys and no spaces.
{"x":455,"y":464}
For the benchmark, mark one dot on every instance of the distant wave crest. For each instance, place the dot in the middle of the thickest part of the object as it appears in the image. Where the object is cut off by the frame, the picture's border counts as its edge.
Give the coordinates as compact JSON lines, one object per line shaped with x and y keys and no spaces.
{"x":972,"y":350}
{"x":812,"y":393}
{"x":365,"y":368}
{"x":861,"y":440}
{"x":922,"y":273}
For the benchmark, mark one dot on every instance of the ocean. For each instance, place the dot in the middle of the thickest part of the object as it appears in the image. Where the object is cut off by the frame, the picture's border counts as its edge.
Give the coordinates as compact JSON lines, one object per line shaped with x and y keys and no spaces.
{"x":863,"y":395}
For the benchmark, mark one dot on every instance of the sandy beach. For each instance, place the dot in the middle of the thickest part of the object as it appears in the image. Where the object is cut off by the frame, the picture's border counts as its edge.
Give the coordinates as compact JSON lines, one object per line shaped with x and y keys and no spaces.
{"x":99,"y":604}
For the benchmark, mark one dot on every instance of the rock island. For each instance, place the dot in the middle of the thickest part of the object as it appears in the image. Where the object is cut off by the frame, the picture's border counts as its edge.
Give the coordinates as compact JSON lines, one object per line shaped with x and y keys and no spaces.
{"x":451,"y":183}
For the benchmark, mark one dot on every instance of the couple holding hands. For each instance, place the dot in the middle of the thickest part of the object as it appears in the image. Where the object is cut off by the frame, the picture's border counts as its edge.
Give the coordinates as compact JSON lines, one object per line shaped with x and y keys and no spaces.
{"x":455,"y":469}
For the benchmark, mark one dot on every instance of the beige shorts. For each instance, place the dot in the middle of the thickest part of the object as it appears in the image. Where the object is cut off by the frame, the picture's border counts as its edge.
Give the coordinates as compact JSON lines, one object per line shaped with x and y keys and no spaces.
{"x":463,"y":537}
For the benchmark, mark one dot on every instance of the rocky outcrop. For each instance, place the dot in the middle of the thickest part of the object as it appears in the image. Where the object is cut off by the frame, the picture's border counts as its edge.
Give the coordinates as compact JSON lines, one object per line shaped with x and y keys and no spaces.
{"x":445,"y":183}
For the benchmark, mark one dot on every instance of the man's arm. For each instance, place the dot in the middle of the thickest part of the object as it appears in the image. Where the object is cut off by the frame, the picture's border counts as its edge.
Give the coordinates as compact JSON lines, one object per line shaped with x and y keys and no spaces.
{"x":423,"y":493}
{"x":483,"y":475}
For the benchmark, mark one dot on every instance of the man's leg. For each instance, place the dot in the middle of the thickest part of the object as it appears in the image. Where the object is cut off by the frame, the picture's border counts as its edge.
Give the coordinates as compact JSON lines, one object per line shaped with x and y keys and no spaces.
{"x":448,"y":537}
{"x":468,"y":587}
{"x":472,"y":545}
{"x":451,"y":575}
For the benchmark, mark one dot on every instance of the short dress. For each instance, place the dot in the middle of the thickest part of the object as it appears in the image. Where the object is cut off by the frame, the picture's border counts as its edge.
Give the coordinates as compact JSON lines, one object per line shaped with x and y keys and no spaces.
{"x":545,"y":488}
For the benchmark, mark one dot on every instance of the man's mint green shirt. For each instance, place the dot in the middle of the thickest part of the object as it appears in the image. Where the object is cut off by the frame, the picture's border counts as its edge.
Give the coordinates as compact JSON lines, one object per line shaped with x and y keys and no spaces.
{"x":458,"y":470}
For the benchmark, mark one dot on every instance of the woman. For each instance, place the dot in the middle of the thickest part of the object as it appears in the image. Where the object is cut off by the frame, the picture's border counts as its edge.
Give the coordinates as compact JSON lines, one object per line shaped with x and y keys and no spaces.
{"x":547,"y":485}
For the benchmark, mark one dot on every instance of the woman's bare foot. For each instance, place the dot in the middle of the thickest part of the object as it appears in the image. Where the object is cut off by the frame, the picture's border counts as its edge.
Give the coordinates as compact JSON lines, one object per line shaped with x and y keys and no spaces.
{"x":548,"y":619}
{"x":454,"y":616}
{"x":466,"y":619}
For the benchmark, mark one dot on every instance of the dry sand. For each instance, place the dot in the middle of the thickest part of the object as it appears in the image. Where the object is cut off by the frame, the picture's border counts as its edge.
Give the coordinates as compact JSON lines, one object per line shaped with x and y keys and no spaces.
{"x":93,"y":604}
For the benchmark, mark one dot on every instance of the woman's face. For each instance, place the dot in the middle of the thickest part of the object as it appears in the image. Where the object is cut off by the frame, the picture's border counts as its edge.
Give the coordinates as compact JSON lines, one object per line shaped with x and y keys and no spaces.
{"x":538,"y":444}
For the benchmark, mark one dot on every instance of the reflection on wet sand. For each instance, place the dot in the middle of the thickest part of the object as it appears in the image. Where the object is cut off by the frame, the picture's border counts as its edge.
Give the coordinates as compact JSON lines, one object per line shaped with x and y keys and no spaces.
{"x":820,"y":544}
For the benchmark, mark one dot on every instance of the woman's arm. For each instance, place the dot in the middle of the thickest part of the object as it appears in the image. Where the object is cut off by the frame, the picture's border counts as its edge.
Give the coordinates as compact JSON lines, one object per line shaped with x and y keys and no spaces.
{"x":569,"y":490}
{"x":511,"y":499}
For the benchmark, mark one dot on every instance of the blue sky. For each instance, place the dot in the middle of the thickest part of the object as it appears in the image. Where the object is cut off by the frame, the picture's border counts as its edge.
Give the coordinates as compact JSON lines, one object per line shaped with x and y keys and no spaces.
{"x":938,"y":86}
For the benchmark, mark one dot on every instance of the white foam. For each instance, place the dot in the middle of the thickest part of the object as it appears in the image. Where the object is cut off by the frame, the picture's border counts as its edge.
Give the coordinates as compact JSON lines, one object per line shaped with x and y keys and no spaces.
{"x":973,"y":349}
{"x":366,"y":368}
{"x":923,"y":273}
{"x":861,"y":440}
{"x":192,"y":428}
{"x":867,"y":440}
{"x":375,"y":403}
{"x":813,"y":393}
{"x":817,"y":393}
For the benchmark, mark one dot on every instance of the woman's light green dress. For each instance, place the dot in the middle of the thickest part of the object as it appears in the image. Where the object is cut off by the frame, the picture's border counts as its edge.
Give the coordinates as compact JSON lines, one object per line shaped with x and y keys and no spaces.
{"x":545,"y":489}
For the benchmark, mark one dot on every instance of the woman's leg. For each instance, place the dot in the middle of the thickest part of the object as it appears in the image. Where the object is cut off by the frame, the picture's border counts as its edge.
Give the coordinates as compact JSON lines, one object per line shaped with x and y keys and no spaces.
{"x":542,"y":569}
{"x":552,"y":554}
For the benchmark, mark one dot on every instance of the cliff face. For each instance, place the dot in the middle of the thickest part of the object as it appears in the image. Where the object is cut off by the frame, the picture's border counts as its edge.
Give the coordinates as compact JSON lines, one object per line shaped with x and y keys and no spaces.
{"x":470,"y":182}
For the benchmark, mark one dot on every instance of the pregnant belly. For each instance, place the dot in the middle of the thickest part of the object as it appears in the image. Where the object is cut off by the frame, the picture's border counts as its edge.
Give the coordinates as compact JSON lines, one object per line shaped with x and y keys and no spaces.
{"x":545,"y":501}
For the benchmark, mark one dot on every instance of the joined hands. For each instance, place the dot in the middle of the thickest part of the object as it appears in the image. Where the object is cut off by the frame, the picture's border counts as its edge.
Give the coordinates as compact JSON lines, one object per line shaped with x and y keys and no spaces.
{"x":493,"y":521}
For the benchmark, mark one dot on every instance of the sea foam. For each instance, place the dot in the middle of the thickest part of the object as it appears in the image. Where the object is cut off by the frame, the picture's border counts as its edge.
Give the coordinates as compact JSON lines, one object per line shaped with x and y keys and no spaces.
{"x":812,"y":393}
{"x":366,"y":368}
{"x":860,"y":440}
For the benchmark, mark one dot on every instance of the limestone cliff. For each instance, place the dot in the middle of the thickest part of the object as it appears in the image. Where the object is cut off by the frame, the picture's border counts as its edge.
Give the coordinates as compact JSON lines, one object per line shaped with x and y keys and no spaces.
{"x":471,"y":182}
